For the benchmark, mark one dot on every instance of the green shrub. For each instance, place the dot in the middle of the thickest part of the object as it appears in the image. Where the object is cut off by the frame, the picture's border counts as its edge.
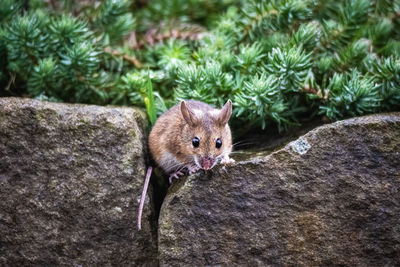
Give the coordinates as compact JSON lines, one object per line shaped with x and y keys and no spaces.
{"x":280,"y":61}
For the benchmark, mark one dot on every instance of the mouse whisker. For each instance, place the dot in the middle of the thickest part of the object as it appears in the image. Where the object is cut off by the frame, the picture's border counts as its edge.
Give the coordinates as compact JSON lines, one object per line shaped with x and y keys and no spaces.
{"x":222,"y":155}
{"x":235,"y":152}
{"x":196,"y":161}
{"x":215,"y":162}
{"x":243,"y":143}
{"x":175,"y":167}
{"x":239,"y":142}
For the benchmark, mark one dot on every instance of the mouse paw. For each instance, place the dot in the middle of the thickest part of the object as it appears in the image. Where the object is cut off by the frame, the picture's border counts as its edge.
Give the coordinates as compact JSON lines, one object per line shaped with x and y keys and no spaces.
{"x":227,"y":160}
{"x":175,"y":175}
{"x":192,"y":168}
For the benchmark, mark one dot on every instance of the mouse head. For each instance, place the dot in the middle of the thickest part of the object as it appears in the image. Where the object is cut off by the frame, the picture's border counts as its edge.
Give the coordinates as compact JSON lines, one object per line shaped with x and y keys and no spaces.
{"x":206,"y":135}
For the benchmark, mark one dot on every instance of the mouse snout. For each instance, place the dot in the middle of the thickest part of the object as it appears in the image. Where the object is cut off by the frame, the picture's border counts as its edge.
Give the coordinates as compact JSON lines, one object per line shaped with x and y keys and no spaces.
{"x":206,"y":162}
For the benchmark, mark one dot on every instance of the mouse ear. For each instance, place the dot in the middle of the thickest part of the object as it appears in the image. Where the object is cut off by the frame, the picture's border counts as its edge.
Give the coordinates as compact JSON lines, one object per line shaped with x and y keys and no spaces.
{"x":188,"y":114}
{"x":225,"y":113}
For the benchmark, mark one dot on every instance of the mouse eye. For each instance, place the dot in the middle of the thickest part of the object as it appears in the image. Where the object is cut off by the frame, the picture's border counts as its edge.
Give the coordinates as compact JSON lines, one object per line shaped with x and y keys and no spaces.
{"x":195,"y":142}
{"x":218,"y":143}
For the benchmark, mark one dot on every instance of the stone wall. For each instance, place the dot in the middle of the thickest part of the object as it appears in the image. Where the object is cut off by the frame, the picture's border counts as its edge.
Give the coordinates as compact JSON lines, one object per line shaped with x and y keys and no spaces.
{"x":71,"y":178}
{"x":330,"y":198}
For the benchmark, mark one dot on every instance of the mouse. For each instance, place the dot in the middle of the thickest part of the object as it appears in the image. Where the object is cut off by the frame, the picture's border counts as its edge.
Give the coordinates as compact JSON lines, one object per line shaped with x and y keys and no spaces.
{"x":190,"y":136}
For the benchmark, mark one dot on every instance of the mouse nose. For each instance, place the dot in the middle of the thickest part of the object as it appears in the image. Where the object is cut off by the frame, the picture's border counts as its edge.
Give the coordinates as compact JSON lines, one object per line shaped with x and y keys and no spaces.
{"x":206,"y":163}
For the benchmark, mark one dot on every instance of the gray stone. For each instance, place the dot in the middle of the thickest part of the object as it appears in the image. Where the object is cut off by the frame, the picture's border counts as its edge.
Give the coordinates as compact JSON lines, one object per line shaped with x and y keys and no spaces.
{"x":70,"y":180}
{"x":331,"y":198}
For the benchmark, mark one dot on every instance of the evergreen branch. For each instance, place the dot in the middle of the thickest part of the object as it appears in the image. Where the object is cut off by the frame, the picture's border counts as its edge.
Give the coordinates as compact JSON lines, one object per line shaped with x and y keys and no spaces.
{"x":45,"y":79}
{"x":351,"y":95}
{"x":25,"y":43}
{"x":260,"y":101}
{"x":8,"y":8}
{"x":290,"y":66}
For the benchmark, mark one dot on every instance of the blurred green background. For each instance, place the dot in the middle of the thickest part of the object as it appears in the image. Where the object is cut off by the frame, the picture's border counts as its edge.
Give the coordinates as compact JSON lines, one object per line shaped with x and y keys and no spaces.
{"x":282,"y":63}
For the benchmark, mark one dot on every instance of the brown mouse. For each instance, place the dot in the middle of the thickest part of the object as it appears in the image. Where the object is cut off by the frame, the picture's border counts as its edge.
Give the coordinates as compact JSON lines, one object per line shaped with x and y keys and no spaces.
{"x":191,"y":136}
{"x":188,"y":137}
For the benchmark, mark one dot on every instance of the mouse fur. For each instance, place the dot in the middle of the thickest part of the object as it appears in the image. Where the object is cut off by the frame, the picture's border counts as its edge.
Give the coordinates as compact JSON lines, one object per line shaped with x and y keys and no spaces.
{"x":171,"y":139}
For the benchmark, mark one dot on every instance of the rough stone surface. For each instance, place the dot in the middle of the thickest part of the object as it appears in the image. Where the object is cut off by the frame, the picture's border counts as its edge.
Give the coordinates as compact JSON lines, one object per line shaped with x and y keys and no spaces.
{"x":70,"y":180}
{"x":331,"y":198}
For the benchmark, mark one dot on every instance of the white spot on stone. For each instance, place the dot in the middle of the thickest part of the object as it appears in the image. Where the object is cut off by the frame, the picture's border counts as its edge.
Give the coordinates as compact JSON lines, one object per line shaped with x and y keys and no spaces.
{"x":118,"y":209}
{"x":301,"y":146}
{"x":128,"y":170}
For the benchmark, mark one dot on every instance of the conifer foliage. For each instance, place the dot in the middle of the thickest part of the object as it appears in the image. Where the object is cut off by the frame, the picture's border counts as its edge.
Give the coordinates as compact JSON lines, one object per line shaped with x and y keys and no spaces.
{"x":280,"y":61}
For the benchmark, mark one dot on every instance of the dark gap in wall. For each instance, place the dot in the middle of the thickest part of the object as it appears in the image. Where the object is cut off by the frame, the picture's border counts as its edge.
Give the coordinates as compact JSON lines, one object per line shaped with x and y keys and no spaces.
{"x":159,"y":182}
